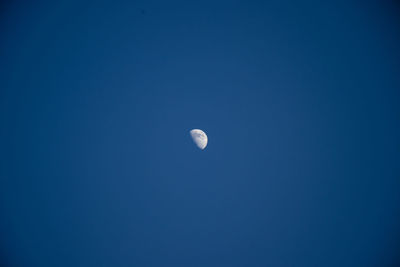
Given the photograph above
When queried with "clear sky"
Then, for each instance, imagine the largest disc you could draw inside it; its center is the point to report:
(299, 99)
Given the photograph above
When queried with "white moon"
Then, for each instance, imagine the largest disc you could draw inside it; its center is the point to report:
(199, 138)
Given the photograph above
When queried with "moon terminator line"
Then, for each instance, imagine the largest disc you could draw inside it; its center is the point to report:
(199, 138)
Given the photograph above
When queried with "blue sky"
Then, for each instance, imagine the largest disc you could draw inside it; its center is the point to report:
(300, 102)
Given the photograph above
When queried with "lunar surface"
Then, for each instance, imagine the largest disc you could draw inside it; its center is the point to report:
(199, 138)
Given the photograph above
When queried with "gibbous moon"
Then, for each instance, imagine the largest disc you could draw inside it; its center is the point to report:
(199, 138)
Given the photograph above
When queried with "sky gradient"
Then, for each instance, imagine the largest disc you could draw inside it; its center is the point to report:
(300, 102)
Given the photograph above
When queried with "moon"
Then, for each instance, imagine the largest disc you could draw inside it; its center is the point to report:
(199, 138)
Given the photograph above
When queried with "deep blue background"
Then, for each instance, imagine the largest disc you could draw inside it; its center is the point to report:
(300, 102)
